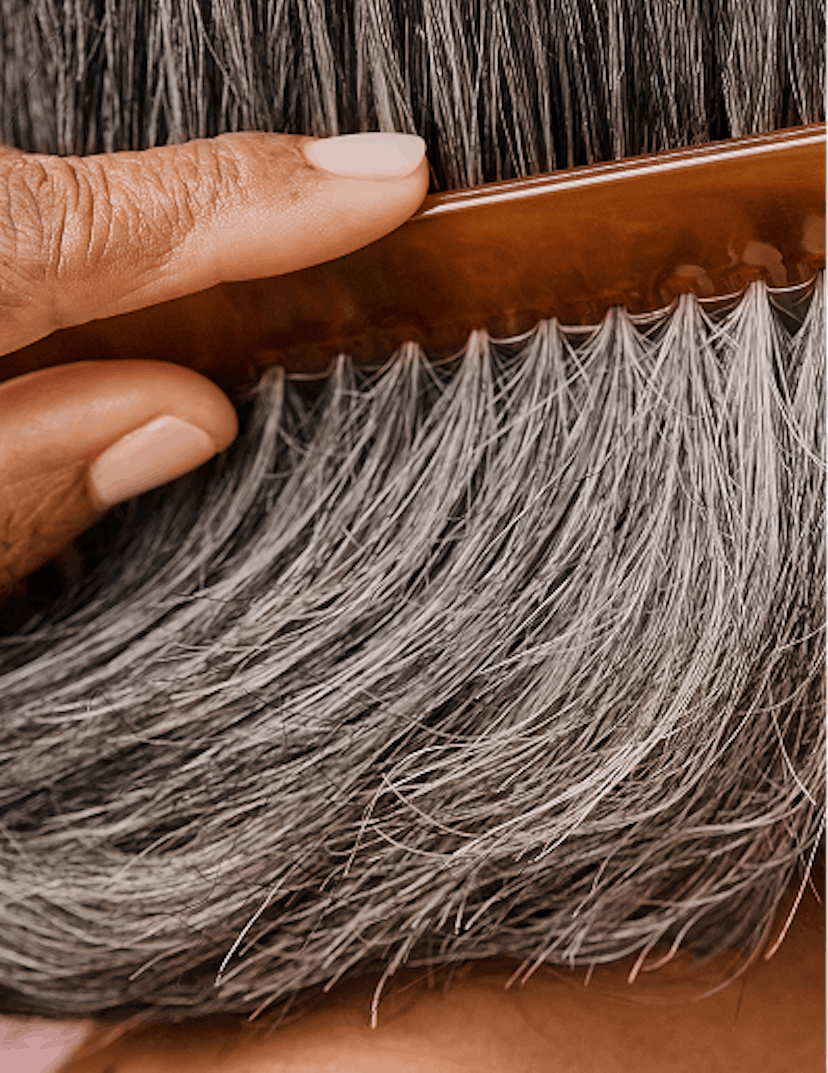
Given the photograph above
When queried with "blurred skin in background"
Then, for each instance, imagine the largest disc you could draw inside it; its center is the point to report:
(88, 238)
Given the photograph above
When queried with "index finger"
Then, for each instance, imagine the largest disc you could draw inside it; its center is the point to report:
(83, 238)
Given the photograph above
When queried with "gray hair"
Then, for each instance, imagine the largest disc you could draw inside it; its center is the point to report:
(497, 88)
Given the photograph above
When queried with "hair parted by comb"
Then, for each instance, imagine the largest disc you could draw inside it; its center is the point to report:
(521, 654)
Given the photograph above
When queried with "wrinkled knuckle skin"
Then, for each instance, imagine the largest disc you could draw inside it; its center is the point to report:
(72, 223)
(24, 189)
(52, 224)
(75, 227)
(43, 222)
(263, 169)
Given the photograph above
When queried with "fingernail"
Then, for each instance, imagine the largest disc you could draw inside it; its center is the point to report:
(156, 453)
(367, 156)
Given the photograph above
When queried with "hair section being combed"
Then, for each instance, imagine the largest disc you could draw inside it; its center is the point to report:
(523, 657)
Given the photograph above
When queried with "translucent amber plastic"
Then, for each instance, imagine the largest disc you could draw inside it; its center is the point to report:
(569, 244)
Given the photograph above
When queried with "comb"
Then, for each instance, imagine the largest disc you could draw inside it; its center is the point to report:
(501, 256)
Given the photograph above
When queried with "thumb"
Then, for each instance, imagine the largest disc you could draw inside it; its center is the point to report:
(78, 438)
(83, 238)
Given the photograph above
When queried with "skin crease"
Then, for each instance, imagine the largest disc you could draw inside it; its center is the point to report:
(81, 239)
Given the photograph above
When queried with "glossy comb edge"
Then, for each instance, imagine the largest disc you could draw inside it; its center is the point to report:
(570, 245)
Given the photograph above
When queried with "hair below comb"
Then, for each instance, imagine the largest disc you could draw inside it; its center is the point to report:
(522, 656)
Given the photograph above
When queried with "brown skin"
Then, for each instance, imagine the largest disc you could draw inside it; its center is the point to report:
(94, 237)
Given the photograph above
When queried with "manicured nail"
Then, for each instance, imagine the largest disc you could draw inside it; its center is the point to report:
(156, 453)
(367, 156)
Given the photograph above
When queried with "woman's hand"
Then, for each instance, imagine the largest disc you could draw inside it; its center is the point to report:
(83, 238)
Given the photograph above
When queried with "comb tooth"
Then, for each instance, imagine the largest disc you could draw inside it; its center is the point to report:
(569, 245)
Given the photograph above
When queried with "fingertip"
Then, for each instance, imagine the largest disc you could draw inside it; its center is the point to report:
(291, 213)
(83, 407)
(76, 439)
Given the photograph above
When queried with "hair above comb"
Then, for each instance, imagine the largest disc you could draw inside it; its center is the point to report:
(498, 88)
